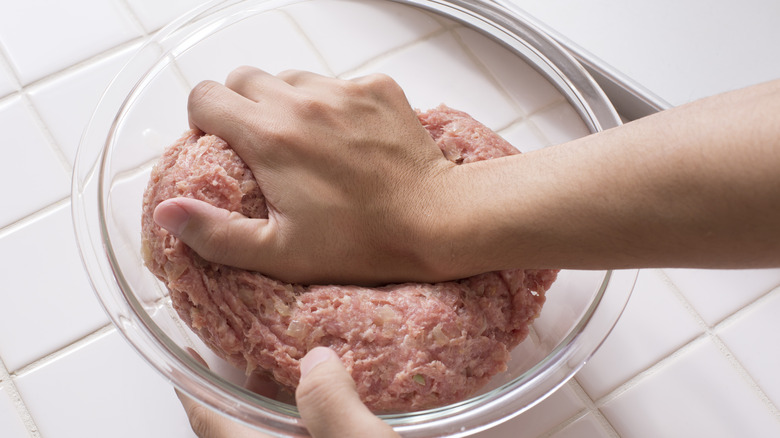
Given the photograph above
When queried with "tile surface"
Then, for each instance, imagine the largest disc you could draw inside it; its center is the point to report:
(700, 394)
(717, 294)
(154, 14)
(753, 339)
(653, 325)
(7, 84)
(442, 65)
(560, 123)
(349, 33)
(47, 299)
(31, 173)
(42, 37)
(539, 419)
(585, 427)
(105, 386)
(66, 103)
(216, 56)
(11, 424)
(527, 88)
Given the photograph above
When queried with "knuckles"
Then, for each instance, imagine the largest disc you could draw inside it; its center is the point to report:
(202, 95)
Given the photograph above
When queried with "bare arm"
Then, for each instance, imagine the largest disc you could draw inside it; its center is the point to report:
(358, 193)
(695, 186)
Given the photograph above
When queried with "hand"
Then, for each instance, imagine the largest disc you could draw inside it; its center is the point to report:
(348, 172)
(326, 391)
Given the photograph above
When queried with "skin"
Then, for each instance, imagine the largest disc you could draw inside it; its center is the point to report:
(359, 193)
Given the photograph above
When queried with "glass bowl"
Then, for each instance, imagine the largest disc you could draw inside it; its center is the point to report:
(472, 55)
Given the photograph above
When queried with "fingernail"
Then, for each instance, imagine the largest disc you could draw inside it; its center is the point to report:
(316, 356)
(172, 217)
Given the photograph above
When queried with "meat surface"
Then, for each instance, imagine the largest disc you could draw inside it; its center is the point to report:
(408, 346)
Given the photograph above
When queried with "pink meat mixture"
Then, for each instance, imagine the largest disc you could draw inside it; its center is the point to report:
(408, 346)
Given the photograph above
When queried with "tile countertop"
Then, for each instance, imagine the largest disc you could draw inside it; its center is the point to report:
(695, 353)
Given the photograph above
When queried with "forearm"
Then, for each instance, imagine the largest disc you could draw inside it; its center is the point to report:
(697, 185)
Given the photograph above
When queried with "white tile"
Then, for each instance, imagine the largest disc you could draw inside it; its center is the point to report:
(47, 301)
(560, 123)
(30, 172)
(585, 427)
(154, 13)
(698, 395)
(11, 425)
(217, 55)
(7, 85)
(41, 37)
(753, 339)
(672, 47)
(66, 103)
(524, 136)
(527, 87)
(103, 388)
(438, 70)
(653, 325)
(157, 118)
(716, 294)
(556, 408)
(348, 33)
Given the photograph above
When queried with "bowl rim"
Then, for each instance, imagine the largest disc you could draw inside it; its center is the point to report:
(182, 370)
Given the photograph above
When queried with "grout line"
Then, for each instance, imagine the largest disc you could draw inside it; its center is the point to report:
(63, 351)
(84, 63)
(651, 370)
(32, 217)
(745, 375)
(487, 73)
(746, 309)
(43, 128)
(561, 101)
(5, 64)
(129, 13)
(565, 423)
(708, 334)
(21, 408)
(593, 408)
(379, 58)
(309, 41)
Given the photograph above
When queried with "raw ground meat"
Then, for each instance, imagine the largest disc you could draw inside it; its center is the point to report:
(408, 346)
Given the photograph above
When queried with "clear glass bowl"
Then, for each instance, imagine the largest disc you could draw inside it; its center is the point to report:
(472, 55)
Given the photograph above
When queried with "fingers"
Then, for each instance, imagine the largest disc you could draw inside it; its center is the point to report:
(255, 84)
(209, 424)
(218, 235)
(215, 109)
(328, 402)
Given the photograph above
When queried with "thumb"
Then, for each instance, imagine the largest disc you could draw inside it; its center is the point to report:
(216, 234)
(328, 402)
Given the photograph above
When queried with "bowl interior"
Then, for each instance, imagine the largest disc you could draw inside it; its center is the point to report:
(437, 53)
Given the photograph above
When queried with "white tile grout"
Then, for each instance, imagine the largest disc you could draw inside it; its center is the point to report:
(590, 408)
(708, 334)
(63, 351)
(32, 217)
(128, 11)
(297, 26)
(487, 73)
(43, 128)
(21, 408)
(377, 59)
(651, 370)
(711, 333)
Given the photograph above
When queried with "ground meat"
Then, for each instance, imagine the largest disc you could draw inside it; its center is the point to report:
(408, 346)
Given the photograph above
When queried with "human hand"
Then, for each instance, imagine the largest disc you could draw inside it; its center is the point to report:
(325, 394)
(349, 174)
